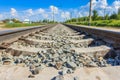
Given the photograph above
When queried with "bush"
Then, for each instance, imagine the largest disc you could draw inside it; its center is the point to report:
(102, 23)
(13, 25)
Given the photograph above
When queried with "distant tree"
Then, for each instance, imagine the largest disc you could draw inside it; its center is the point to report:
(99, 18)
(16, 20)
(44, 21)
(83, 19)
(6, 20)
(114, 16)
(73, 20)
(106, 17)
(95, 15)
(119, 11)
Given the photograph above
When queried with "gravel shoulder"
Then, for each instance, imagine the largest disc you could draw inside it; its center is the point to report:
(106, 73)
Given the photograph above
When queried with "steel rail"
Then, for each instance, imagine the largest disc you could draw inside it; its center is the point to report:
(9, 36)
(108, 36)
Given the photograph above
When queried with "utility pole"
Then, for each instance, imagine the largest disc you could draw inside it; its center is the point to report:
(104, 12)
(104, 15)
(65, 18)
(71, 17)
(53, 14)
(90, 12)
(77, 16)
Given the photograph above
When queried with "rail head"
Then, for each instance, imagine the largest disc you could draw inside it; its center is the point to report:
(7, 32)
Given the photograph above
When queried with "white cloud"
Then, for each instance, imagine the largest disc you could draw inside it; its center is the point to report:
(40, 11)
(54, 9)
(116, 4)
(45, 15)
(30, 12)
(13, 11)
(100, 6)
(1, 15)
(65, 14)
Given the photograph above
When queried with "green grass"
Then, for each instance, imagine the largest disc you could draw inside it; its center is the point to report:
(15, 25)
(102, 23)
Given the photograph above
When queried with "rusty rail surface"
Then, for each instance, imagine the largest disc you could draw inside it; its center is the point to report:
(111, 37)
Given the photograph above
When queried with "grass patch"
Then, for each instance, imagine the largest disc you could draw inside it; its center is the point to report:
(15, 25)
(101, 23)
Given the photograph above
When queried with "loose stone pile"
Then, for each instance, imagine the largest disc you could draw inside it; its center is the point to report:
(60, 59)
(58, 54)
(114, 61)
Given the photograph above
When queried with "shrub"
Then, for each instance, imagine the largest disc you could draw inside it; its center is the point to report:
(102, 23)
(13, 25)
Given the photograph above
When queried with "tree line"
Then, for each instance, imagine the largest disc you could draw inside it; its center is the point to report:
(96, 16)
(18, 21)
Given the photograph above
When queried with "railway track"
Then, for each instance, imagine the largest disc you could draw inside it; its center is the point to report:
(9, 36)
(58, 52)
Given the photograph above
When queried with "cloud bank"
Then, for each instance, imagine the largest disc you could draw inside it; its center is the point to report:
(101, 6)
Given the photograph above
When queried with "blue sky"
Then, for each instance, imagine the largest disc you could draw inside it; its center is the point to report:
(41, 9)
(34, 4)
